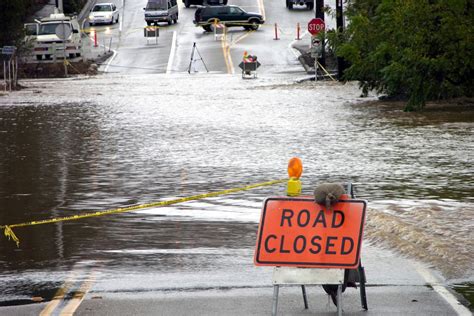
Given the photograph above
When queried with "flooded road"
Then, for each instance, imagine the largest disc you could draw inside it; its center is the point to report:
(80, 145)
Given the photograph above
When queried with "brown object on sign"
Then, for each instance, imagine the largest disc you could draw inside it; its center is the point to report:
(297, 232)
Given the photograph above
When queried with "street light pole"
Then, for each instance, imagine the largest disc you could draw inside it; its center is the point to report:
(319, 13)
(59, 5)
(340, 28)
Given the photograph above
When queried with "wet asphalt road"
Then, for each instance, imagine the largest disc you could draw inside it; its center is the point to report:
(68, 154)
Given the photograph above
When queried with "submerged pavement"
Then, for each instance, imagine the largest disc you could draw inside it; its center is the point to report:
(123, 142)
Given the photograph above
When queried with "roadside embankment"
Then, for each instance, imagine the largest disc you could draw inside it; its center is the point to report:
(460, 105)
(57, 70)
(78, 66)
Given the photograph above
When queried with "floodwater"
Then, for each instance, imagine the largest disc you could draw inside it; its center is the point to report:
(81, 145)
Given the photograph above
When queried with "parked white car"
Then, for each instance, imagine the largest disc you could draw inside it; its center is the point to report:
(106, 13)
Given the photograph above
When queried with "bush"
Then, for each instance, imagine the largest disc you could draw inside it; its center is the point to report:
(420, 49)
(12, 15)
(73, 6)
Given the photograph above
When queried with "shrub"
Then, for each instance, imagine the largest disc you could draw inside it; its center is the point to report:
(420, 49)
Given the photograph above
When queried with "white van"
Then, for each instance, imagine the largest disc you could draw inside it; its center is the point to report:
(161, 11)
(47, 43)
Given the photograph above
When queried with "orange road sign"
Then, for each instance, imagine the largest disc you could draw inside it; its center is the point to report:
(298, 232)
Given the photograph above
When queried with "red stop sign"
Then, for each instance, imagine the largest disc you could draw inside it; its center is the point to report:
(315, 26)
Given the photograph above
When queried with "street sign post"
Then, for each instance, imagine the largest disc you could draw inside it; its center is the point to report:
(10, 66)
(315, 47)
(315, 26)
(8, 50)
(316, 50)
(297, 232)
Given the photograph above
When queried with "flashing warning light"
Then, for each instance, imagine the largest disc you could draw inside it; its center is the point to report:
(295, 168)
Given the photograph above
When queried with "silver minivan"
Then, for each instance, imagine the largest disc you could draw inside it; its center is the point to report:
(161, 11)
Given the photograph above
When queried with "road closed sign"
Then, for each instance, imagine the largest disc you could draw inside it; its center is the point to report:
(298, 232)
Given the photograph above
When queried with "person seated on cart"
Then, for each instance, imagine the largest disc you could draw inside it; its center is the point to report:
(248, 59)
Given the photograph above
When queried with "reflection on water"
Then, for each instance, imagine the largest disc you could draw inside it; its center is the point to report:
(467, 290)
(117, 141)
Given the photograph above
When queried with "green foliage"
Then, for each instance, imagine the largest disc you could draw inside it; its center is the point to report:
(12, 15)
(420, 49)
(73, 6)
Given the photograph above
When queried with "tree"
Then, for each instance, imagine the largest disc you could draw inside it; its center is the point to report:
(73, 6)
(420, 49)
(12, 15)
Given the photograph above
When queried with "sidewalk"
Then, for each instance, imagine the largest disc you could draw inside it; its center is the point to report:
(308, 62)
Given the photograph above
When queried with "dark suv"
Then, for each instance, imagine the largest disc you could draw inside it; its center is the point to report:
(187, 3)
(230, 15)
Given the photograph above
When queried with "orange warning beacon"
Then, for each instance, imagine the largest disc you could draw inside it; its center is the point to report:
(295, 169)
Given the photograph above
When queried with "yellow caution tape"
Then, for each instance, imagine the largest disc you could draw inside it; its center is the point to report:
(10, 234)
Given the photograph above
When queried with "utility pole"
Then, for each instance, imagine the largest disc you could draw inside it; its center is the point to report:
(59, 5)
(341, 64)
(319, 13)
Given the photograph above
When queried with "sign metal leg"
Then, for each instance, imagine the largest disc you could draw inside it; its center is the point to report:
(339, 300)
(363, 297)
(305, 298)
(316, 69)
(275, 299)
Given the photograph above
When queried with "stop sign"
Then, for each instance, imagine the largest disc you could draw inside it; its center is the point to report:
(315, 26)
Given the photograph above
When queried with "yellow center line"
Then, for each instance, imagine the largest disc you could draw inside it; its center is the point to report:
(224, 50)
(79, 296)
(241, 37)
(226, 47)
(262, 9)
(60, 294)
(231, 64)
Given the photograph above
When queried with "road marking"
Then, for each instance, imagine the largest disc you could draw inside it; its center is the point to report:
(241, 37)
(292, 49)
(232, 71)
(121, 22)
(59, 295)
(79, 296)
(262, 9)
(226, 47)
(110, 60)
(172, 53)
(225, 51)
(442, 291)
